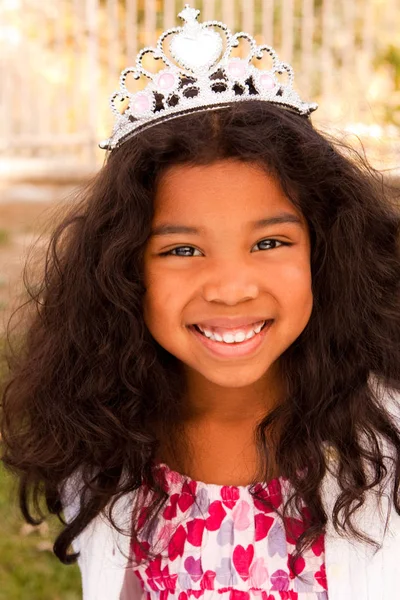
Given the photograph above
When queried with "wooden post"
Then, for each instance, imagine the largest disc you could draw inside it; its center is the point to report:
(247, 16)
(92, 15)
(326, 63)
(307, 36)
(131, 30)
(150, 21)
(208, 10)
(268, 22)
(287, 30)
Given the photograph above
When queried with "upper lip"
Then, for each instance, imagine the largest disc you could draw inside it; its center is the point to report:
(230, 323)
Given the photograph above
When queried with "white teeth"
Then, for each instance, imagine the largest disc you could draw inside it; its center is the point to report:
(250, 334)
(231, 338)
(240, 337)
(259, 327)
(228, 338)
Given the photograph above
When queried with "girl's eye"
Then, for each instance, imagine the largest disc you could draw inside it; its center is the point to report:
(270, 244)
(186, 248)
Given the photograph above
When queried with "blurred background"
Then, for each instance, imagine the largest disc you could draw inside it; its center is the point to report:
(60, 61)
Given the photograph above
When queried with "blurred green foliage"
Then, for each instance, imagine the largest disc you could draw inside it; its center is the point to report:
(28, 568)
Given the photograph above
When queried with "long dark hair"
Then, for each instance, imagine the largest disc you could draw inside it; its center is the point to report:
(88, 381)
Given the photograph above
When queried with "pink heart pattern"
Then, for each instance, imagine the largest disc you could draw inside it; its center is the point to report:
(227, 541)
(258, 572)
(241, 515)
(193, 567)
(280, 580)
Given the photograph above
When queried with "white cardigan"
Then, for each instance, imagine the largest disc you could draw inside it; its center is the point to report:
(353, 571)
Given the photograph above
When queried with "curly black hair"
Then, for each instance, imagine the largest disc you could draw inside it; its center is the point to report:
(87, 381)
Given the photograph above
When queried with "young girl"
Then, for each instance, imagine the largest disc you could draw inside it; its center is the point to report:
(208, 390)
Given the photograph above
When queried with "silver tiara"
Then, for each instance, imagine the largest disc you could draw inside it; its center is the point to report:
(201, 80)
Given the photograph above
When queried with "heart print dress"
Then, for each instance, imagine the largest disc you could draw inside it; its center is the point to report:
(220, 543)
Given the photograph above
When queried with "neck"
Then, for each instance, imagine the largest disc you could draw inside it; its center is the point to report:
(209, 402)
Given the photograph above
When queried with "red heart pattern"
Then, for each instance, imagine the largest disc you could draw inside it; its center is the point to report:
(263, 524)
(221, 538)
(230, 495)
(216, 516)
(242, 559)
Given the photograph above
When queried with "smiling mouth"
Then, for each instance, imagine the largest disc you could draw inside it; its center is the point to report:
(230, 341)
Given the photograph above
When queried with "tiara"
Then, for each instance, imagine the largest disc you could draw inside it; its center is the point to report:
(199, 79)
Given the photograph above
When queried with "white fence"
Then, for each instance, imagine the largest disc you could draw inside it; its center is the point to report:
(60, 60)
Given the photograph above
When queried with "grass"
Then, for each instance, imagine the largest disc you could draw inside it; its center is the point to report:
(28, 568)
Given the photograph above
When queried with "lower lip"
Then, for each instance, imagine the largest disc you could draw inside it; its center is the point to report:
(237, 349)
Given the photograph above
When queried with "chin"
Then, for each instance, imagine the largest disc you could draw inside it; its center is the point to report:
(235, 377)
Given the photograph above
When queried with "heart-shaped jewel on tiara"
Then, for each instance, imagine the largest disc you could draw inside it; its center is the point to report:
(196, 50)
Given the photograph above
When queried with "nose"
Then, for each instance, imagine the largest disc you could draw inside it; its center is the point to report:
(230, 283)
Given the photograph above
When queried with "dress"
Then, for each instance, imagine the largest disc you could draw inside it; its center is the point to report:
(227, 546)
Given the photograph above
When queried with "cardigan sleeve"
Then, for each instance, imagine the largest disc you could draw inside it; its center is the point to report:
(70, 499)
(103, 551)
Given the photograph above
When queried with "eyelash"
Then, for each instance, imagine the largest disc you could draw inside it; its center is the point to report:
(169, 252)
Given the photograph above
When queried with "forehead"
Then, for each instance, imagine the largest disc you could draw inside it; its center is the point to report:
(223, 188)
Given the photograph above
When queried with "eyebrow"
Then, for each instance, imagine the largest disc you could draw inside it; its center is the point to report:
(170, 228)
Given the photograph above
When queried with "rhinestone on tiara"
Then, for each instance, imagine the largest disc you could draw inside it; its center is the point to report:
(203, 77)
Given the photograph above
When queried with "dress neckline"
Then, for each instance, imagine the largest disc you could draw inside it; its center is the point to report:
(174, 477)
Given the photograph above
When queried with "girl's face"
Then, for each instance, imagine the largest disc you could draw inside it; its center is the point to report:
(227, 244)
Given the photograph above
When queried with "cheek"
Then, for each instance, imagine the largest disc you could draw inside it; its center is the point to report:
(162, 316)
(294, 291)
(160, 304)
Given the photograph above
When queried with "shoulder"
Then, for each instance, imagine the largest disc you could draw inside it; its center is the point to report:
(71, 492)
(389, 399)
